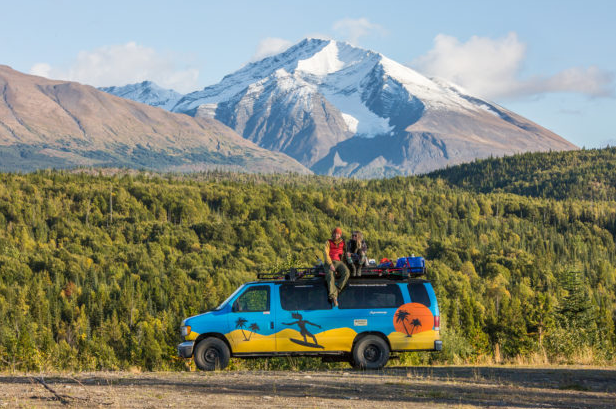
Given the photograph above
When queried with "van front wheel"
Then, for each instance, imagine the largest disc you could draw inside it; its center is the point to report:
(370, 352)
(211, 354)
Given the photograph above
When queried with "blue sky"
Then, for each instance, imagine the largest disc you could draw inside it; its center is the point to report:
(553, 62)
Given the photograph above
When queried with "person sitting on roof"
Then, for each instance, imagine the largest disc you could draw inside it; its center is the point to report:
(334, 251)
(356, 253)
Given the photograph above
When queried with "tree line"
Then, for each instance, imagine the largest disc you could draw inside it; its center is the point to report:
(586, 174)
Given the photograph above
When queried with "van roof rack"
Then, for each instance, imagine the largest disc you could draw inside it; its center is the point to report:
(394, 273)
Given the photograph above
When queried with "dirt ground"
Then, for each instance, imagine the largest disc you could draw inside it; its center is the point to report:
(400, 387)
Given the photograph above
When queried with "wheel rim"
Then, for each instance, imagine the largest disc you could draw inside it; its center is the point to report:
(372, 353)
(212, 355)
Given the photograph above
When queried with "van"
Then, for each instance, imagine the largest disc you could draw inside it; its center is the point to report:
(375, 315)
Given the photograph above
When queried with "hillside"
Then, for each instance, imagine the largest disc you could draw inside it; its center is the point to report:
(584, 174)
(98, 272)
(60, 124)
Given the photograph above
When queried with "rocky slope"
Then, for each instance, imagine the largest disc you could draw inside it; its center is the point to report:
(46, 123)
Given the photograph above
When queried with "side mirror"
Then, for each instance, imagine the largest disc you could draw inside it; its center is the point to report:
(236, 306)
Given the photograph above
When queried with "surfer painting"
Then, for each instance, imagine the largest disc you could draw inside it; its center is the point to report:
(301, 323)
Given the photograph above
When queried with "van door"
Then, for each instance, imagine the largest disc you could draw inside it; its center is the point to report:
(305, 318)
(252, 321)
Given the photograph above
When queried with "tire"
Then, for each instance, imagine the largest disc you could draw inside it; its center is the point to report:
(370, 352)
(211, 354)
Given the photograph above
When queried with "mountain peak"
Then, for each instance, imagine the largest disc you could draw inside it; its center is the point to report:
(147, 92)
(344, 110)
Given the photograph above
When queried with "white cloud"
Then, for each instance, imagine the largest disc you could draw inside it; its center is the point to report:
(123, 64)
(270, 46)
(591, 81)
(492, 69)
(353, 29)
(41, 69)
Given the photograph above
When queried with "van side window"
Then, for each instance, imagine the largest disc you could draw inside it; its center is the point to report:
(370, 296)
(304, 297)
(254, 299)
(419, 294)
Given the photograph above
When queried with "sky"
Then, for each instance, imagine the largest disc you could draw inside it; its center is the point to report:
(553, 62)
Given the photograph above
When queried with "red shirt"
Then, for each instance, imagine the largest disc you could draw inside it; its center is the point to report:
(335, 249)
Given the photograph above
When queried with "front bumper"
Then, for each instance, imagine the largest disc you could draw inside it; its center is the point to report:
(185, 349)
(438, 345)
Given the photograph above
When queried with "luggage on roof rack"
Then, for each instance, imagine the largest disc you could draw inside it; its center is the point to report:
(405, 268)
(414, 264)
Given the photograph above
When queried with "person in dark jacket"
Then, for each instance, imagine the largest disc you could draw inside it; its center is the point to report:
(356, 253)
(334, 252)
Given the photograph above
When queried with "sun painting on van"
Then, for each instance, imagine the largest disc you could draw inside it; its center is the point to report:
(413, 318)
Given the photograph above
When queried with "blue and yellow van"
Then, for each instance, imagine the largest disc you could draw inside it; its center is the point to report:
(294, 317)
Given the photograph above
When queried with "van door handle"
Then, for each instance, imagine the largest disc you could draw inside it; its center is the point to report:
(272, 324)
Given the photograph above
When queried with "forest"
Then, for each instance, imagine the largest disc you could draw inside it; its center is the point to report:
(97, 269)
(587, 174)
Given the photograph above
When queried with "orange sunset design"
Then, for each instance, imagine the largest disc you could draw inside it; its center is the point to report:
(413, 318)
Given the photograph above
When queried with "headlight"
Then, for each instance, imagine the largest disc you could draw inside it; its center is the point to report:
(185, 330)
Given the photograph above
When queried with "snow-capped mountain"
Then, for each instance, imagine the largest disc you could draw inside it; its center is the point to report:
(147, 92)
(343, 110)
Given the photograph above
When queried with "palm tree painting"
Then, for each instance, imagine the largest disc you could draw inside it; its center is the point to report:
(254, 327)
(415, 323)
(401, 317)
(412, 319)
(240, 323)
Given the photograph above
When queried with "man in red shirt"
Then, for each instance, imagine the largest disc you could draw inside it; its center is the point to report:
(335, 249)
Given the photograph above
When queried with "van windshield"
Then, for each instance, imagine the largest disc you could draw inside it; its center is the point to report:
(225, 302)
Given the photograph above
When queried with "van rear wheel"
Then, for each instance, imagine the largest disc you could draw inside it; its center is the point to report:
(370, 352)
(211, 354)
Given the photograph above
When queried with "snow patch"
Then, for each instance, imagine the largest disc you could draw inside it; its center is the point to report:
(368, 124)
(433, 94)
(351, 122)
(404, 74)
(489, 109)
(322, 63)
(206, 110)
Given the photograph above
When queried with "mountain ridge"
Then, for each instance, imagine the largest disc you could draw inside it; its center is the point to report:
(319, 99)
(50, 123)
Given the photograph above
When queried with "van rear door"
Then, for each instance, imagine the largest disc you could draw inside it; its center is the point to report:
(414, 320)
